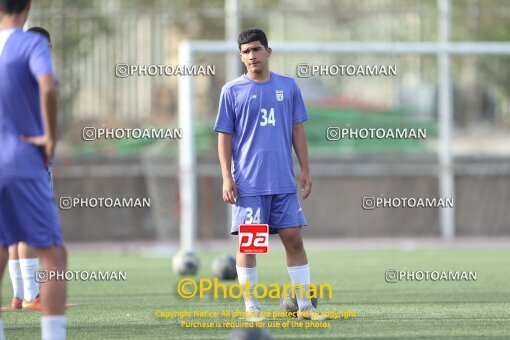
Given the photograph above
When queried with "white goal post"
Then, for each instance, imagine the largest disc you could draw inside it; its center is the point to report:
(443, 49)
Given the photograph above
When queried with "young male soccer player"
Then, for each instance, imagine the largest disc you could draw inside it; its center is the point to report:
(260, 119)
(28, 110)
(23, 261)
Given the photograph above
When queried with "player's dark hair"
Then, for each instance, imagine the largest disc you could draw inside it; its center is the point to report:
(42, 31)
(13, 6)
(250, 35)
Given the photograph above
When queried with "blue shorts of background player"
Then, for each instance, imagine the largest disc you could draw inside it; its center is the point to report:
(29, 213)
(279, 211)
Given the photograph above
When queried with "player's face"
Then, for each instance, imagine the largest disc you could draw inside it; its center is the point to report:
(255, 57)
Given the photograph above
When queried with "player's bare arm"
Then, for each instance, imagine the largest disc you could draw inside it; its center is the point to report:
(301, 149)
(229, 190)
(48, 93)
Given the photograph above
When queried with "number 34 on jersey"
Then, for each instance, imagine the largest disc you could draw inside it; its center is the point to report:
(267, 118)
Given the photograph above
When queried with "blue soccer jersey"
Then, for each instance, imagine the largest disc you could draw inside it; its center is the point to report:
(260, 116)
(28, 211)
(24, 57)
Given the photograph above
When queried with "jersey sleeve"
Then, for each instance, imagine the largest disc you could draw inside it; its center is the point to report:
(226, 112)
(40, 59)
(299, 113)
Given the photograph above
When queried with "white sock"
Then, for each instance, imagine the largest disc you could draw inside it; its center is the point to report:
(16, 278)
(28, 269)
(248, 274)
(301, 275)
(53, 327)
(2, 335)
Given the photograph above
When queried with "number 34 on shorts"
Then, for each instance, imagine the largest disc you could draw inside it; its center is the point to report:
(252, 218)
(278, 211)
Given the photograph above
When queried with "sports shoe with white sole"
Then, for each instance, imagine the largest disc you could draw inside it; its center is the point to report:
(311, 313)
(253, 314)
(32, 305)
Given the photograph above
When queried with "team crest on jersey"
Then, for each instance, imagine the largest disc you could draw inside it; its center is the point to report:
(279, 95)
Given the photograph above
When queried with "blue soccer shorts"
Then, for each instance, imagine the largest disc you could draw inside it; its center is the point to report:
(29, 213)
(278, 211)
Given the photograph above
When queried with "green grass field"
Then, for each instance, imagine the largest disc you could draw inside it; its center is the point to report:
(126, 310)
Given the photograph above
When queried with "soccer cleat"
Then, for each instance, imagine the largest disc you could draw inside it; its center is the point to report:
(311, 313)
(253, 314)
(32, 305)
(16, 303)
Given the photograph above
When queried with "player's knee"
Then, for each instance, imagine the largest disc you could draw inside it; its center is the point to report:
(4, 255)
(246, 257)
(13, 252)
(55, 257)
(294, 245)
(245, 260)
(63, 256)
(60, 257)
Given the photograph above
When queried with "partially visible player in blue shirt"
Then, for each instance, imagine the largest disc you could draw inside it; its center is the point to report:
(23, 262)
(28, 112)
(260, 119)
